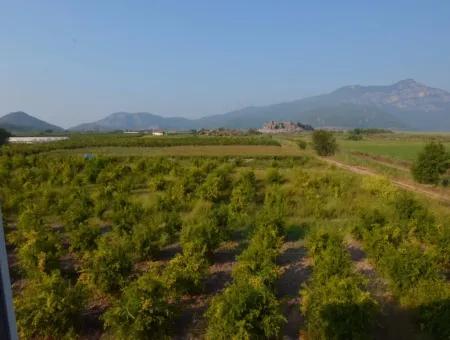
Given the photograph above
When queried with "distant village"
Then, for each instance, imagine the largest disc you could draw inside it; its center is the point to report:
(268, 128)
(284, 127)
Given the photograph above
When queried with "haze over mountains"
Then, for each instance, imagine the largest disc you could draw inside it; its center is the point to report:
(404, 105)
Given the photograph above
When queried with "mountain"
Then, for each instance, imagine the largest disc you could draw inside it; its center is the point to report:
(19, 122)
(136, 121)
(406, 104)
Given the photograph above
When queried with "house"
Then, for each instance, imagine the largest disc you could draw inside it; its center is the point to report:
(158, 133)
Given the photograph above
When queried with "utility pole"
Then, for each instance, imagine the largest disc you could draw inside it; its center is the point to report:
(8, 328)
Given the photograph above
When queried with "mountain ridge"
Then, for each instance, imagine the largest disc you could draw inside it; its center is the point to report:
(406, 104)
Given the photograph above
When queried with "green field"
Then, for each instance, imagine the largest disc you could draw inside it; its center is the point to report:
(397, 146)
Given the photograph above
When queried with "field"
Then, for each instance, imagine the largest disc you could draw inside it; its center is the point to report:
(239, 240)
(189, 150)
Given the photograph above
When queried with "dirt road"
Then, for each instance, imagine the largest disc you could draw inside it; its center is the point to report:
(401, 184)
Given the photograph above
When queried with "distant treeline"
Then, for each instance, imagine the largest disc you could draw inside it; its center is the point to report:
(121, 140)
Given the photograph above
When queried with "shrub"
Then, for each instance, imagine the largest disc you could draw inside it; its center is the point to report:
(338, 308)
(84, 237)
(204, 228)
(186, 272)
(257, 262)
(4, 135)
(273, 176)
(431, 163)
(216, 186)
(40, 251)
(244, 311)
(49, 307)
(244, 192)
(324, 142)
(334, 301)
(302, 144)
(142, 312)
(108, 267)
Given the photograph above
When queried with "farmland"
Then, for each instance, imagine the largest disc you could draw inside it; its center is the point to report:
(248, 238)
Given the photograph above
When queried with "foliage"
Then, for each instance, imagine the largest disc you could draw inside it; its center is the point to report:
(49, 307)
(257, 262)
(204, 228)
(142, 312)
(324, 142)
(186, 272)
(245, 310)
(107, 268)
(335, 303)
(274, 176)
(431, 163)
(301, 144)
(4, 135)
(39, 252)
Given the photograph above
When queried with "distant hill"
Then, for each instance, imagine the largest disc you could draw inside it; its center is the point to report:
(21, 122)
(135, 121)
(404, 105)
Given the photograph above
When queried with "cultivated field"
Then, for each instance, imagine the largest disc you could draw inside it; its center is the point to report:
(219, 241)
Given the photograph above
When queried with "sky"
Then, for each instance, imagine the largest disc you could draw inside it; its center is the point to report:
(77, 61)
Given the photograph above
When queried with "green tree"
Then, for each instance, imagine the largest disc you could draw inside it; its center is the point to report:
(186, 272)
(4, 135)
(431, 163)
(142, 312)
(107, 268)
(49, 307)
(245, 310)
(324, 142)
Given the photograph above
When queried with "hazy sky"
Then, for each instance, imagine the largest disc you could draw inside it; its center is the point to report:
(73, 61)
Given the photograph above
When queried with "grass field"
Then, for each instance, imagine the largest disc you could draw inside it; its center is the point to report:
(396, 149)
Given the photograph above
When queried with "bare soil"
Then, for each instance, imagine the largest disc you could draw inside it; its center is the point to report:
(295, 270)
(394, 322)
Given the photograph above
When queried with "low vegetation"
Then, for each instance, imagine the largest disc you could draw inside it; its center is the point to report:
(127, 247)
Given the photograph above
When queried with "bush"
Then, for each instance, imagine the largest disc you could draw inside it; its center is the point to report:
(302, 144)
(142, 312)
(244, 311)
(40, 251)
(431, 163)
(257, 262)
(274, 176)
(4, 135)
(107, 268)
(49, 307)
(204, 228)
(338, 308)
(324, 143)
(84, 237)
(334, 301)
(243, 193)
(186, 272)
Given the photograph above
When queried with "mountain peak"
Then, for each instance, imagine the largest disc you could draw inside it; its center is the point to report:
(20, 121)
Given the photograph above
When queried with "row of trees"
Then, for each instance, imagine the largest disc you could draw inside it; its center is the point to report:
(248, 307)
(335, 301)
(410, 248)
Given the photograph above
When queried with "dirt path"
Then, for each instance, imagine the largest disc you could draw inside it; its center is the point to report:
(417, 188)
(192, 323)
(295, 270)
(394, 322)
